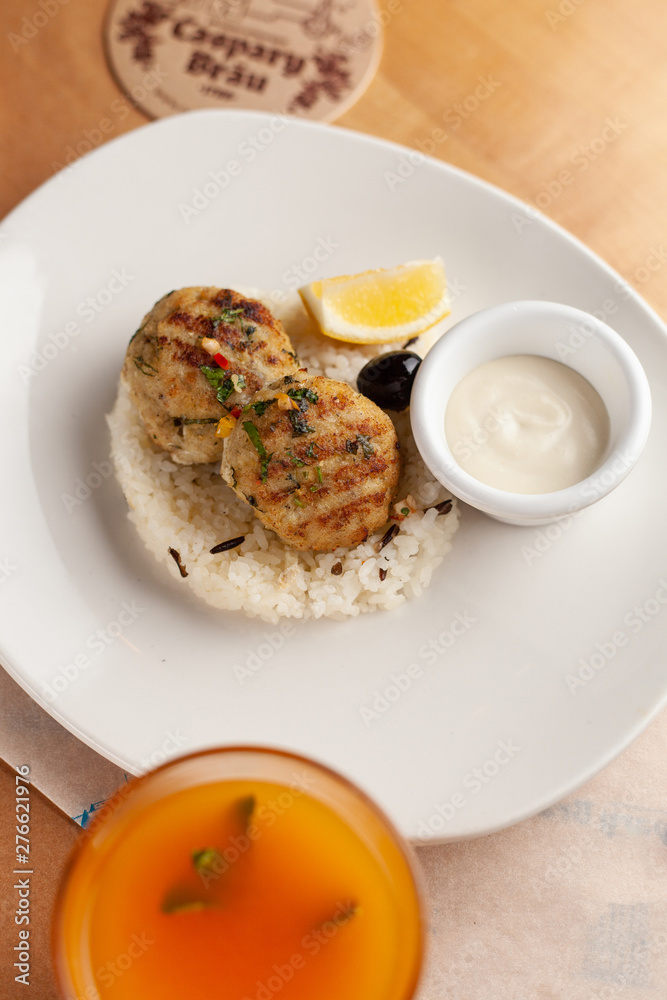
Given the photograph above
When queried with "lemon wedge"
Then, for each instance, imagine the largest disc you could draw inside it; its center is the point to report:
(381, 306)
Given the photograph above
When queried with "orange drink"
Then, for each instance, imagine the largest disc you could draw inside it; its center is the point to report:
(239, 874)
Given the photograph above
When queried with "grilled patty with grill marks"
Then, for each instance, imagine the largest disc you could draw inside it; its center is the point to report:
(318, 462)
(178, 388)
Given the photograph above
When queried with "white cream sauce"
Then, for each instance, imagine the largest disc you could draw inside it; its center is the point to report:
(526, 424)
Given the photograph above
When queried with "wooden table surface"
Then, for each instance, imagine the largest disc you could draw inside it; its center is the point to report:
(572, 121)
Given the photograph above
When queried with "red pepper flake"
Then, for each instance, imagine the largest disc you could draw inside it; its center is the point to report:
(236, 411)
(221, 360)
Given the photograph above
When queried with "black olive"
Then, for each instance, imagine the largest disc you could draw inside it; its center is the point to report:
(387, 379)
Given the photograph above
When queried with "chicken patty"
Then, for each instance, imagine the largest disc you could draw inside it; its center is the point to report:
(318, 462)
(178, 387)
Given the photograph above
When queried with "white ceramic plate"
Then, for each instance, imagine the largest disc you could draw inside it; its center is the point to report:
(535, 656)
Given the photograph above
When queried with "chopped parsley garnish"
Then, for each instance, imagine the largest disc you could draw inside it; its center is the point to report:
(303, 393)
(299, 423)
(229, 315)
(145, 368)
(295, 460)
(246, 809)
(341, 916)
(223, 383)
(208, 862)
(179, 901)
(253, 434)
(261, 406)
(405, 510)
(362, 441)
(226, 316)
(291, 354)
(366, 445)
(206, 859)
(318, 472)
(298, 502)
(303, 396)
(309, 450)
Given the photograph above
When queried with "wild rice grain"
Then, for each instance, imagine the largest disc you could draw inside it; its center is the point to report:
(176, 556)
(231, 543)
(389, 534)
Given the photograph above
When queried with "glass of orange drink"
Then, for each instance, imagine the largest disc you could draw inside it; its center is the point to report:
(240, 873)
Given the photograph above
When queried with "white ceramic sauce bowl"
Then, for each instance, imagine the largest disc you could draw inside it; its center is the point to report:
(550, 330)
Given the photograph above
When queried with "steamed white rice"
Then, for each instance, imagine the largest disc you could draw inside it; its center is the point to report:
(190, 509)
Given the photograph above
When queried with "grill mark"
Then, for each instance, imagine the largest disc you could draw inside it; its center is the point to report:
(332, 407)
(197, 326)
(252, 309)
(377, 465)
(346, 478)
(340, 517)
(223, 299)
(235, 338)
(312, 501)
(259, 314)
(190, 354)
(301, 522)
(370, 429)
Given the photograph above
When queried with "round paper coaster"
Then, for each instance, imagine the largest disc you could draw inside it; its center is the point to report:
(311, 58)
